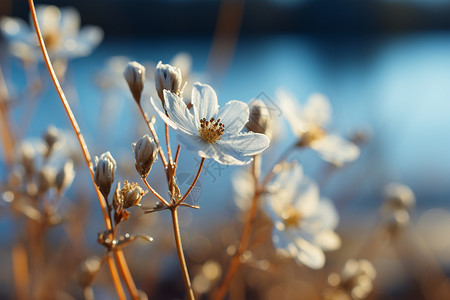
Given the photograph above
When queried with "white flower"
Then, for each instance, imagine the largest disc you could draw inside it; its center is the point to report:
(60, 29)
(309, 122)
(210, 132)
(304, 223)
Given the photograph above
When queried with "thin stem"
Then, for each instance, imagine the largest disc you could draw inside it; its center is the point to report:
(236, 260)
(126, 274)
(155, 136)
(169, 150)
(177, 155)
(181, 259)
(83, 145)
(20, 271)
(193, 182)
(115, 275)
(6, 131)
(155, 192)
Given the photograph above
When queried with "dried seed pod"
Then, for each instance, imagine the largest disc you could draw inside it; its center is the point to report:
(65, 176)
(145, 153)
(127, 196)
(259, 119)
(134, 74)
(168, 78)
(104, 170)
(27, 158)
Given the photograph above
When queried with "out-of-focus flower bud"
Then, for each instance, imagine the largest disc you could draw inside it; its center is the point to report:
(168, 78)
(259, 119)
(145, 154)
(398, 197)
(88, 269)
(51, 138)
(104, 170)
(134, 74)
(46, 178)
(65, 176)
(27, 157)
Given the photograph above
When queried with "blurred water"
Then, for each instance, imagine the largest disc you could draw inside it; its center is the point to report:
(398, 86)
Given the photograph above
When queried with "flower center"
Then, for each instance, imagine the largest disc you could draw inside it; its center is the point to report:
(211, 131)
(291, 217)
(314, 133)
(52, 40)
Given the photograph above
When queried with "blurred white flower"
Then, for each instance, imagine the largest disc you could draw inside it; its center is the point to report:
(243, 185)
(210, 132)
(399, 196)
(61, 32)
(304, 223)
(309, 122)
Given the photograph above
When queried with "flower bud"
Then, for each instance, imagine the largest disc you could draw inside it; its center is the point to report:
(46, 178)
(145, 153)
(398, 196)
(104, 170)
(168, 78)
(259, 119)
(51, 137)
(134, 74)
(65, 176)
(27, 157)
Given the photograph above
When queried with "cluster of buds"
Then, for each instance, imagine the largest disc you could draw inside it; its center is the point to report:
(354, 282)
(125, 197)
(260, 119)
(39, 174)
(145, 154)
(399, 200)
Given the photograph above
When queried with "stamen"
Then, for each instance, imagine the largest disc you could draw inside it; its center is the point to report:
(211, 131)
(291, 217)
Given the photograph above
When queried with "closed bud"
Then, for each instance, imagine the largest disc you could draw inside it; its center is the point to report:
(134, 74)
(259, 119)
(398, 197)
(168, 78)
(51, 137)
(27, 157)
(145, 154)
(104, 170)
(65, 176)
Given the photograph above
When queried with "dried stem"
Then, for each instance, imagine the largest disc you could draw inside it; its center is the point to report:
(126, 274)
(236, 260)
(169, 150)
(20, 271)
(6, 131)
(155, 192)
(193, 182)
(181, 259)
(177, 155)
(84, 148)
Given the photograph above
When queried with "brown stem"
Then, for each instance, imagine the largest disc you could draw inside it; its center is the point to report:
(193, 182)
(115, 276)
(181, 259)
(83, 145)
(20, 271)
(126, 274)
(160, 198)
(169, 150)
(6, 130)
(235, 261)
(177, 155)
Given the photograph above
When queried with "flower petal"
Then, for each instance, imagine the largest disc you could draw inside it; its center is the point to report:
(328, 240)
(158, 108)
(70, 21)
(309, 254)
(306, 196)
(325, 216)
(88, 38)
(179, 113)
(204, 101)
(15, 29)
(234, 115)
(335, 149)
(291, 110)
(317, 110)
(243, 144)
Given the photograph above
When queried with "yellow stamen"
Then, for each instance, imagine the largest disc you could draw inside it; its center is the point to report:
(211, 131)
(291, 217)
